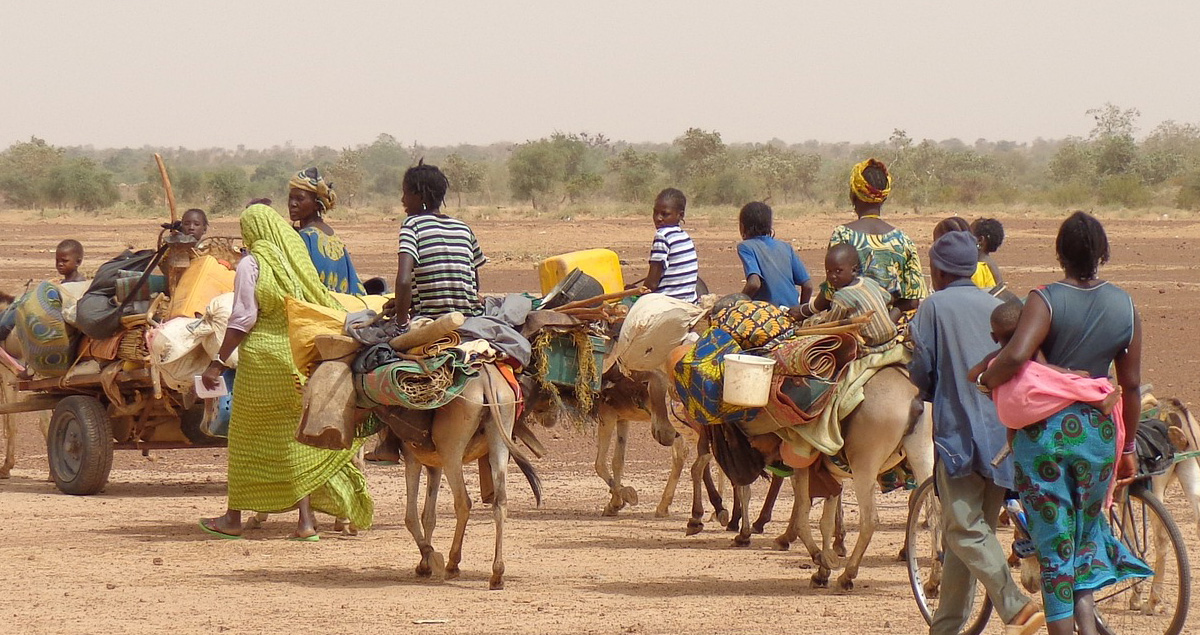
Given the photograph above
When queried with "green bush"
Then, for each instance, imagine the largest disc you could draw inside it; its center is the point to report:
(1189, 192)
(1070, 194)
(1125, 190)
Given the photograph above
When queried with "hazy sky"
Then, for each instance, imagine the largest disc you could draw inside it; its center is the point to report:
(259, 73)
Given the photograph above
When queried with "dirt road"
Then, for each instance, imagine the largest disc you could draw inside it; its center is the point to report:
(131, 560)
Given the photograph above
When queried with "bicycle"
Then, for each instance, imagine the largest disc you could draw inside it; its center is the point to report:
(1137, 518)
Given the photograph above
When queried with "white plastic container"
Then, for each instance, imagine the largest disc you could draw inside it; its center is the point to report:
(747, 380)
(205, 393)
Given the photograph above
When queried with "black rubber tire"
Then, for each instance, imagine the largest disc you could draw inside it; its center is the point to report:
(1132, 534)
(913, 556)
(79, 445)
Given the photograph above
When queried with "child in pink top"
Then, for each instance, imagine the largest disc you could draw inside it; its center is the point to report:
(1040, 390)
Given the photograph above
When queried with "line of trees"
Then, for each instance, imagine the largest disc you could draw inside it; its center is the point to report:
(1112, 166)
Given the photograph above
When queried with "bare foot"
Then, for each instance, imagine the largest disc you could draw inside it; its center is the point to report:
(1107, 404)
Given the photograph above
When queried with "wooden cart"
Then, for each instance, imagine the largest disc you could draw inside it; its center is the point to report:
(94, 414)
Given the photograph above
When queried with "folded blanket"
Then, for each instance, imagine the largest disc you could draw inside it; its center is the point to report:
(821, 356)
(421, 385)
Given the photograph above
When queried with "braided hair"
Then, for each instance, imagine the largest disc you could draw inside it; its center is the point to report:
(755, 219)
(990, 232)
(951, 224)
(1082, 246)
(673, 198)
(876, 175)
(428, 182)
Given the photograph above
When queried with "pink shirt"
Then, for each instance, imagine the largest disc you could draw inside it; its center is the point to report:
(245, 306)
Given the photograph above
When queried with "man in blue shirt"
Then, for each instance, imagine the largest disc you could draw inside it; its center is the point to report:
(952, 332)
(772, 268)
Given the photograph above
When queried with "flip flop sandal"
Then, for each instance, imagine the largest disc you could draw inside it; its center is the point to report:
(214, 532)
(312, 538)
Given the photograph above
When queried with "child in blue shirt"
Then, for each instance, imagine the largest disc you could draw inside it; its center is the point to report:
(773, 270)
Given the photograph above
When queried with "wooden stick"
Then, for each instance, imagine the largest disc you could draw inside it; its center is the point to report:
(162, 171)
(603, 298)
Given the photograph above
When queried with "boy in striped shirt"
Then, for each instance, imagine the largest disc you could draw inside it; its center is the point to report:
(674, 267)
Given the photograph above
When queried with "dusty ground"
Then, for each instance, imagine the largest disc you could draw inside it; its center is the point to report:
(131, 559)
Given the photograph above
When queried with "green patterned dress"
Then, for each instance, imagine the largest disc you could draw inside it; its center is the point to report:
(269, 471)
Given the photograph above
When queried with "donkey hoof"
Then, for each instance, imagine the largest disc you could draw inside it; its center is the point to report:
(496, 583)
(4, 474)
(741, 540)
(452, 572)
(819, 581)
(662, 512)
(758, 529)
(694, 527)
(629, 495)
(845, 583)
(903, 555)
(723, 516)
(781, 544)
(611, 509)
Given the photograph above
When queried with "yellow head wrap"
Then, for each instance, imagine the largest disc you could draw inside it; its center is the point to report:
(864, 191)
(310, 180)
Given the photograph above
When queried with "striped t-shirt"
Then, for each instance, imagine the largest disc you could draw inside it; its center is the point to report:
(446, 255)
(674, 249)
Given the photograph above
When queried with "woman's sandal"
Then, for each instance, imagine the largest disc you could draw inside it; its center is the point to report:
(216, 532)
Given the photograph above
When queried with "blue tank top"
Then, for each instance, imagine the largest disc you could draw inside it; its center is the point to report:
(1088, 327)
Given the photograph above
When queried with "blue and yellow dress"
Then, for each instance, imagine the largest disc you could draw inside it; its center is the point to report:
(332, 260)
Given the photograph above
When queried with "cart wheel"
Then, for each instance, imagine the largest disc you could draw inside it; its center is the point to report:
(80, 445)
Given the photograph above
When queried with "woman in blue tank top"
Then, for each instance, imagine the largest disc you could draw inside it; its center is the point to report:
(1065, 464)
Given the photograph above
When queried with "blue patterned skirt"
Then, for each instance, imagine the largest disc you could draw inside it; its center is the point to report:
(1063, 468)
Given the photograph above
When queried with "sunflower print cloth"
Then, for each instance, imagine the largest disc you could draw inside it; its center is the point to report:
(1063, 470)
(332, 261)
(754, 324)
(890, 259)
(269, 471)
(700, 380)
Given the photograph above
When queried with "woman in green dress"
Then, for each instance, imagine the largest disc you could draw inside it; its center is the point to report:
(269, 471)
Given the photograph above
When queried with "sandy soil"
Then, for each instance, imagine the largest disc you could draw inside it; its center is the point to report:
(132, 560)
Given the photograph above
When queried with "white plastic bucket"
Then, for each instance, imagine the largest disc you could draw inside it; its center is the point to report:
(747, 380)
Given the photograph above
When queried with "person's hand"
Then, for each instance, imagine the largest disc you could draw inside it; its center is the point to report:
(389, 308)
(211, 375)
(1127, 469)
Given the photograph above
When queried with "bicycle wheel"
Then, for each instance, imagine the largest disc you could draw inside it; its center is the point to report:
(924, 556)
(1151, 605)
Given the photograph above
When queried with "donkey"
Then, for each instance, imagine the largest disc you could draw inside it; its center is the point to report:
(478, 423)
(889, 418)
(1184, 431)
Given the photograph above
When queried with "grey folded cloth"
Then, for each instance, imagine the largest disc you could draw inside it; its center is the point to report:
(374, 357)
(370, 328)
(499, 324)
